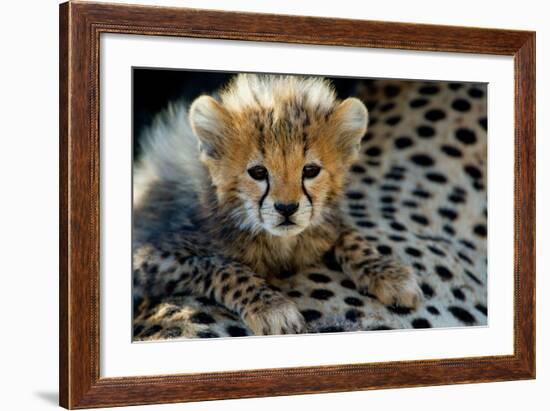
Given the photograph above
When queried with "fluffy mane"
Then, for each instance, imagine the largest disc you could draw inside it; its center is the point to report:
(248, 91)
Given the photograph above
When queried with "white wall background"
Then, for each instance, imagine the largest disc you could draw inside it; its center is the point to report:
(29, 191)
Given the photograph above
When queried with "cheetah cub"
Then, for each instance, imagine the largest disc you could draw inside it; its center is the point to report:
(245, 185)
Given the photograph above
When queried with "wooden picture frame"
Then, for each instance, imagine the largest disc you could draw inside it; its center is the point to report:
(80, 27)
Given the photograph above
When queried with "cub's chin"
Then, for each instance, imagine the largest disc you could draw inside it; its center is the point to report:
(285, 229)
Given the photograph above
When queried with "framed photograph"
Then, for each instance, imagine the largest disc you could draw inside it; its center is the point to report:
(260, 205)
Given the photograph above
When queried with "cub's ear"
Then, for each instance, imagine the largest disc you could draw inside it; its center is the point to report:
(209, 122)
(350, 120)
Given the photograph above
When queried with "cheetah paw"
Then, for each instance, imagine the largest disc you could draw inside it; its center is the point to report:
(280, 316)
(392, 283)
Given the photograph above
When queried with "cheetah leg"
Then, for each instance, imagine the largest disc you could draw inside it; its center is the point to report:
(382, 276)
(264, 310)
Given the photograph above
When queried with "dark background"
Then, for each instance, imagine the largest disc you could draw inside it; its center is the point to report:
(154, 88)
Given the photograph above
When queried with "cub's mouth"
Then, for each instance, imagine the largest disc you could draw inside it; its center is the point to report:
(286, 222)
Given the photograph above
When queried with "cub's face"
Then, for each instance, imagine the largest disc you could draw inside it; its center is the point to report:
(278, 169)
(283, 191)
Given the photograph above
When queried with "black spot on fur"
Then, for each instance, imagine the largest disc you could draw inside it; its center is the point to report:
(473, 171)
(413, 252)
(436, 178)
(434, 115)
(436, 251)
(461, 105)
(201, 318)
(425, 131)
(448, 213)
(478, 185)
(475, 92)
(366, 224)
(398, 226)
(427, 290)
(455, 198)
(390, 188)
(367, 137)
(152, 269)
(451, 151)
(418, 102)
(422, 160)
(137, 329)
(421, 323)
(387, 107)
(311, 315)
(391, 91)
(448, 229)
(329, 259)
(483, 122)
(457, 292)
(397, 309)
(421, 193)
(410, 203)
(170, 286)
(482, 309)
(207, 334)
(354, 195)
(321, 294)
(464, 257)
(428, 90)
(368, 180)
(294, 294)
(393, 120)
(432, 310)
(473, 277)
(420, 219)
(480, 230)
(443, 272)
(394, 176)
(353, 315)
(373, 151)
(462, 315)
(465, 136)
(319, 278)
(384, 249)
(419, 267)
(350, 285)
(284, 274)
(236, 331)
(151, 331)
(371, 104)
(357, 169)
(354, 302)
(403, 142)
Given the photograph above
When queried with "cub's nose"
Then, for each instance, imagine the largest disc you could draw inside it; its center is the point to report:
(286, 210)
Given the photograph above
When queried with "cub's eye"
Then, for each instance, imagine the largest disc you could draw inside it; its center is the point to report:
(258, 172)
(311, 171)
